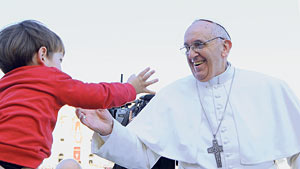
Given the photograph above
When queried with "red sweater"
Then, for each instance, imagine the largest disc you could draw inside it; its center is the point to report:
(30, 98)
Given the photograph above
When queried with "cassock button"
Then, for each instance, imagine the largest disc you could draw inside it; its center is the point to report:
(219, 106)
(223, 129)
(228, 155)
(226, 141)
(217, 96)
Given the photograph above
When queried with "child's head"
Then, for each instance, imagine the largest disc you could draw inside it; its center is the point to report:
(29, 43)
(68, 164)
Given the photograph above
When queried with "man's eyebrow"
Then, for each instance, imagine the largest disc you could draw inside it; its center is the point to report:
(196, 41)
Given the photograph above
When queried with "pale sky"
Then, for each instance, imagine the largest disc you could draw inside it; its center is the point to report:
(106, 38)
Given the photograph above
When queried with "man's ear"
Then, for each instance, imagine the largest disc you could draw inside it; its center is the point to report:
(226, 48)
(41, 55)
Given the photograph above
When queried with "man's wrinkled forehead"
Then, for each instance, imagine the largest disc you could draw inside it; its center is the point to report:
(198, 30)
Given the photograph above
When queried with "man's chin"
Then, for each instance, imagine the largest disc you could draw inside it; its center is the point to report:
(201, 78)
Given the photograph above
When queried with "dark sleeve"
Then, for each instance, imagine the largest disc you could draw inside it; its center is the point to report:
(93, 95)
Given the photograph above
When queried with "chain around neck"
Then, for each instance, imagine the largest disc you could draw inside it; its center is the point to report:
(223, 115)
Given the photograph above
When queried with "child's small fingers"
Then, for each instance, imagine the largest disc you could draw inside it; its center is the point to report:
(144, 72)
(149, 91)
(147, 75)
(151, 82)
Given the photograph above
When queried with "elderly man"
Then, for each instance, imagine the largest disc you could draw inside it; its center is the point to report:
(221, 117)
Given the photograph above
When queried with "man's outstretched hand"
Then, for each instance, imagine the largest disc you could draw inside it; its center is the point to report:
(99, 120)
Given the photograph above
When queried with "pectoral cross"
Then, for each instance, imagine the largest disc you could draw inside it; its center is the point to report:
(216, 149)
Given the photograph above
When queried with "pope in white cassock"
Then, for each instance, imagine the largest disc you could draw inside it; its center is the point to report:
(221, 117)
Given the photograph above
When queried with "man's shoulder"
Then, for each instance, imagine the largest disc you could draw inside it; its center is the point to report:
(180, 86)
(182, 82)
(249, 76)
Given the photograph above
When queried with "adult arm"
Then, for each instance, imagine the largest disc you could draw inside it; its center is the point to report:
(294, 161)
(122, 146)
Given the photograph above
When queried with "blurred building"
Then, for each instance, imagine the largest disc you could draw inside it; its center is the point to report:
(71, 139)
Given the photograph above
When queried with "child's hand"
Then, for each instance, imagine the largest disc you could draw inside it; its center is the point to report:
(140, 82)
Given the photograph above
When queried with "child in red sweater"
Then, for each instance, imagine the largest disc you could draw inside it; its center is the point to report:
(34, 88)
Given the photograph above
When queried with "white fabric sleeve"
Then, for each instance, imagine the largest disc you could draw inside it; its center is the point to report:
(104, 138)
(294, 161)
(124, 148)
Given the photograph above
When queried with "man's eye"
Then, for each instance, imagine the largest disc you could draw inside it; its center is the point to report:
(198, 45)
(187, 48)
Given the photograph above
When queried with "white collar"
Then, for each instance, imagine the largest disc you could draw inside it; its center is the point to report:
(221, 78)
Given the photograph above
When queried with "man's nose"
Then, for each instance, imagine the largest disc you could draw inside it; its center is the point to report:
(191, 54)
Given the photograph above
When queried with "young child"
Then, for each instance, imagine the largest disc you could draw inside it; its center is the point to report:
(33, 90)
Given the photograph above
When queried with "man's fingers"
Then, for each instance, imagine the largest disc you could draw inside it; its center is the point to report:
(81, 116)
(78, 112)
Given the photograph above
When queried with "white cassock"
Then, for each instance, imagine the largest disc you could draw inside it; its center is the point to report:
(261, 124)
